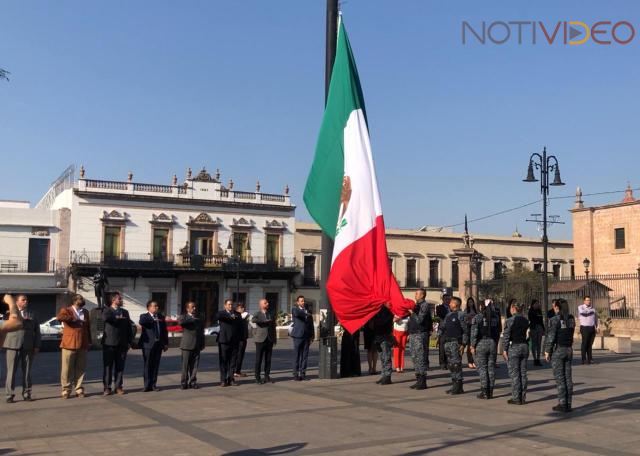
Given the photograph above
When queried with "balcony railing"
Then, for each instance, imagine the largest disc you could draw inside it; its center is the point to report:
(189, 261)
(22, 265)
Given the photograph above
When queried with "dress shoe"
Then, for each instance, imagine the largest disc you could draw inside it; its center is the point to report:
(259, 381)
(297, 378)
(184, 387)
(194, 386)
(80, 394)
(106, 392)
(120, 391)
(223, 384)
(10, 400)
(155, 388)
(27, 398)
(234, 383)
(147, 390)
(268, 379)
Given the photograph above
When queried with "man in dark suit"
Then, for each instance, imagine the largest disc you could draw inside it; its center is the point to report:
(228, 340)
(242, 343)
(302, 334)
(191, 345)
(153, 341)
(21, 347)
(265, 339)
(116, 339)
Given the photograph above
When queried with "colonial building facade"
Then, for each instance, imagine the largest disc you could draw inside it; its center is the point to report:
(607, 235)
(34, 246)
(435, 259)
(196, 240)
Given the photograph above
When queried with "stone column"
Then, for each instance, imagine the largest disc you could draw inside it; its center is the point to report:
(466, 273)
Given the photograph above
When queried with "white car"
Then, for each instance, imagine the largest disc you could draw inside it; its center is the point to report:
(212, 331)
(51, 328)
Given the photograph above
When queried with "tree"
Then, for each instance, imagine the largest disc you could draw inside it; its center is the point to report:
(4, 74)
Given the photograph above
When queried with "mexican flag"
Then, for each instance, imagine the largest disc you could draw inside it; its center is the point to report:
(342, 196)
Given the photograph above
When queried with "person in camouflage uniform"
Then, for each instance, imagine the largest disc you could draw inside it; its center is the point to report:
(484, 328)
(558, 349)
(383, 341)
(455, 335)
(516, 353)
(419, 327)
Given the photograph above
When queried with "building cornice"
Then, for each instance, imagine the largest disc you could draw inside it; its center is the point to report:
(182, 201)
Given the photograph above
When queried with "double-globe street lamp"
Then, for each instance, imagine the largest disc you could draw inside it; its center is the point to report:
(546, 164)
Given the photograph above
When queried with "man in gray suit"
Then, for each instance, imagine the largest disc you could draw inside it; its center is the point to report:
(191, 345)
(21, 347)
(265, 338)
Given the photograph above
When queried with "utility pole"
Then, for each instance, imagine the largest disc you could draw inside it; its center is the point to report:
(328, 367)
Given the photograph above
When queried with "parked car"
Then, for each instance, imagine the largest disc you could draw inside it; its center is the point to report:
(51, 328)
(173, 326)
(212, 331)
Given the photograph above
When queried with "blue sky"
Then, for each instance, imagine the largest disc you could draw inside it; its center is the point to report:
(157, 86)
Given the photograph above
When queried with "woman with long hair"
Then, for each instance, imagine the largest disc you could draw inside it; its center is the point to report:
(471, 312)
(484, 328)
(558, 349)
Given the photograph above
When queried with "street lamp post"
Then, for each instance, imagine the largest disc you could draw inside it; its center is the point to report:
(236, 260)
(546, 164)
(586, 263)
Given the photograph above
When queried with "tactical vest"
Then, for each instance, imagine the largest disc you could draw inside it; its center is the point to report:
(519, 330)
(426, 326)
(489, 327)
(453, 326)
(565, 331)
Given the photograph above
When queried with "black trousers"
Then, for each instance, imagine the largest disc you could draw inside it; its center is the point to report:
(301, 352)
(227, 354)
(242, 347)
(113, 360)
(264, 350)
(151, 358)
(588, 334)
(190, 362)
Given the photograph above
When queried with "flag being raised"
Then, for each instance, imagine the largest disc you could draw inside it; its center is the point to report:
(342, 196)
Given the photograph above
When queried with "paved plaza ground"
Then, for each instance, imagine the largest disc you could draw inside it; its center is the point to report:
(329, 417)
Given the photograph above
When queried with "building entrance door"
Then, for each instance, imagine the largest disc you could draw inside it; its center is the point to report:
(205, 295)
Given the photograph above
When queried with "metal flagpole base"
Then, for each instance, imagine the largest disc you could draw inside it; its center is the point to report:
(328, 367)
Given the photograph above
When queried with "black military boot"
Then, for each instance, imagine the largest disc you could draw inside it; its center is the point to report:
(568, 408)
(490, 393)
(483, 394)
(457, 388)
(453, 385)
(386, 380)
(422, 383)
(560, 408)
(415, 385)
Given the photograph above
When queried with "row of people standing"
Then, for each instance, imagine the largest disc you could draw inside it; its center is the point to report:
(479, 334)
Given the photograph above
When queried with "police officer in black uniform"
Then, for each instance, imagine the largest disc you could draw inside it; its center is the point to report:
(559, 349)
(516, 353)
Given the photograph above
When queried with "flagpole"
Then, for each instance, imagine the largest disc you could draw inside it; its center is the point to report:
(328, 367)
